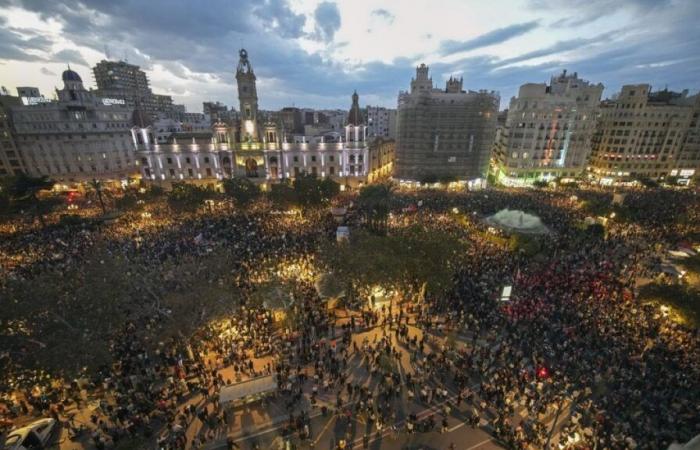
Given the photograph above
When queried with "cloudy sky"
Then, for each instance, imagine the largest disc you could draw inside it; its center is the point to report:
(314, 53)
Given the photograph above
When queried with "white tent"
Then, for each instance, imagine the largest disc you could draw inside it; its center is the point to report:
(693, 444)
(248, 388)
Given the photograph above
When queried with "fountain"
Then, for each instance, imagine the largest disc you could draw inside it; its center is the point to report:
(516, 221)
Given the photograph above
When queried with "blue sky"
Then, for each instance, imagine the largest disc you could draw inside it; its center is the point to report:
(314, 53)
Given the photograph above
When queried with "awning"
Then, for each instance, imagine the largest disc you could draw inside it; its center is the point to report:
(254, 386)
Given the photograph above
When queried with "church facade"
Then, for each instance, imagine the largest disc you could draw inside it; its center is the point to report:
(260, 150)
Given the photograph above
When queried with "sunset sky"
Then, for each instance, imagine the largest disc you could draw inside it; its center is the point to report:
(312, 53)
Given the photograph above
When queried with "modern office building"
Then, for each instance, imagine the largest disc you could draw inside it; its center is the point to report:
(127, 83)
(260, 150)
(76, 138)
(644, 134)
(444, 134)
(381, 122)
(548, 130)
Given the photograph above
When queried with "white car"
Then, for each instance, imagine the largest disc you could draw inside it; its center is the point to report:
(36, 435)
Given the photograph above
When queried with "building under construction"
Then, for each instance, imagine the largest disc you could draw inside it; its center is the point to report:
(444, 135)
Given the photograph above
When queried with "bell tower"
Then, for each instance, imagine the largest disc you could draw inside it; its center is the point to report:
(248, 98)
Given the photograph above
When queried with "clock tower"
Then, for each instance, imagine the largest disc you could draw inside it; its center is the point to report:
(248, 98)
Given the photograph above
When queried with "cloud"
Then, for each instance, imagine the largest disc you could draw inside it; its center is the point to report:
(18, 46)
(496, 36)
(69, 56)
(191, 50)
(327, 17)
(47, 72)
(277, 16)
(383, 14)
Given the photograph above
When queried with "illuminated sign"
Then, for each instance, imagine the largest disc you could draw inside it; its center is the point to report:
(113, 101)
(29, 101)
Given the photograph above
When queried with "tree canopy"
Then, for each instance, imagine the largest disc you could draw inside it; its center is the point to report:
(241, 190)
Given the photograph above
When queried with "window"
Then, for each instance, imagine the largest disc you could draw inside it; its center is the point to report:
(206, 160)
(170, 160)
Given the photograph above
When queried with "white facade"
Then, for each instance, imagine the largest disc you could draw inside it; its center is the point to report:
(548, 130)
(381, 122)
(76, 138)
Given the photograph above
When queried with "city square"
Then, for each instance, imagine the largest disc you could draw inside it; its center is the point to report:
(323, 224)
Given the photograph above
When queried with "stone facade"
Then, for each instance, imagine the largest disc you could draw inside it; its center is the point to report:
(645, 134)
(261, 150)
(548, 130)
(76, 138)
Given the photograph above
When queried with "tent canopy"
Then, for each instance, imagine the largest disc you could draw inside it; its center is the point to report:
(254, 386)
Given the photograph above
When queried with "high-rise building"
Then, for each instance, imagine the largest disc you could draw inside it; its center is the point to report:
(126, 82)
(76, 138)
(444, 134)
(687, 163)
(548, 130)
(10, 160)
(381, 122)
(641, 134)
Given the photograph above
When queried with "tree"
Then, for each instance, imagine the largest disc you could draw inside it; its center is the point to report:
(374, 204)
(242, 190)
(282, 195)
(96, 186)
(429, 179)
(540, 183)
(308, 190)
(329, 189)
(24, 193)
(188, 197)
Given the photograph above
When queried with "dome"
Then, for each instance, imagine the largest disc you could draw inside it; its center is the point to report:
(69, 75)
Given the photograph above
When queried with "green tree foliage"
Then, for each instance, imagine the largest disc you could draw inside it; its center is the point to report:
(412, 257)
(241, 190)
(24, 193)
(529, 245)
(310, 191)
(374, 204)
(429, 179)
(540, 184)
(282, 195)
(189, 197)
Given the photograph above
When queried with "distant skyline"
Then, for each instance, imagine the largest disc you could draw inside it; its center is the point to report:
(313, 53)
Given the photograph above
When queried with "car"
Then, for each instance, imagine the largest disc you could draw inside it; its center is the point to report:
(36, 435)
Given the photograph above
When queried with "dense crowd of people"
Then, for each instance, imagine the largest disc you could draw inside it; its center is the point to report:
(573, 340)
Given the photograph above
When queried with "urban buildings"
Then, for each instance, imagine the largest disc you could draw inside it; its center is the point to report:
(76, 138)
(261, 150)
(548, 130)
(645, 134)
(126, 82)
(10, 161)
(381, 122)
(444, 134)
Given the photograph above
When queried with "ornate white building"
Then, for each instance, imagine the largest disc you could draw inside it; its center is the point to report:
(77, 138)
(260, 150)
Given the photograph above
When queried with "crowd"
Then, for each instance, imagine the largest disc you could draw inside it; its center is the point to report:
(572, 341)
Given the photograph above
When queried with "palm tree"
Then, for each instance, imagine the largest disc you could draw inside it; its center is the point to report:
(97, 187)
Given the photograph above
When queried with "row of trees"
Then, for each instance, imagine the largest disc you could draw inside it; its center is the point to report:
(307, 191)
